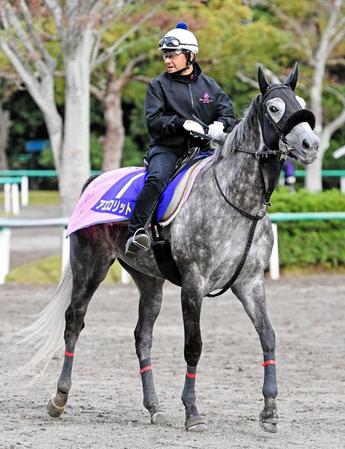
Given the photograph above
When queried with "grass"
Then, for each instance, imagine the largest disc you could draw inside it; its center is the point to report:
(44, 197)
(48, 270)
(40, 197)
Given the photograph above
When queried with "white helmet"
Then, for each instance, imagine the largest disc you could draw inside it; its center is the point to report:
(180, 38)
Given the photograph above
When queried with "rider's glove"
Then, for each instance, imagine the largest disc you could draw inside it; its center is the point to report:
(191, 126)
(216, 130)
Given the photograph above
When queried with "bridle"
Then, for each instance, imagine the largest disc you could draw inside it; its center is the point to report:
(276, 157)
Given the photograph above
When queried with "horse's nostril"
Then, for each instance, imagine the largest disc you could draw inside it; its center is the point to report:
(305, 144)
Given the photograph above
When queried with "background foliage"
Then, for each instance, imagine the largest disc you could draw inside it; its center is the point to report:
(234, 36)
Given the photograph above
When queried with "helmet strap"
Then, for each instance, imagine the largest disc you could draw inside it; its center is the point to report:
(189, 62)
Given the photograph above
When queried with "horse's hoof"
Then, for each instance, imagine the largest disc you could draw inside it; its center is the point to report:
(159, 418)
(196, 424)
(54, 410)
(269, 424)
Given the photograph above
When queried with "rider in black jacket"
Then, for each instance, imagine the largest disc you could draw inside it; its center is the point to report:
(176, 103)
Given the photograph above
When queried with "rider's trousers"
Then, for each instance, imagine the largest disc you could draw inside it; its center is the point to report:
(161, 166)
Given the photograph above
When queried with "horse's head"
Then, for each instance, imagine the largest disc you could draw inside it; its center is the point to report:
(285, 123)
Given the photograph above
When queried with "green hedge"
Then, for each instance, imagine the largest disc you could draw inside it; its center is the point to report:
(307, 244)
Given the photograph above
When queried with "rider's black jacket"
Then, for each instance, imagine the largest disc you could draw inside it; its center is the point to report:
(172, 99)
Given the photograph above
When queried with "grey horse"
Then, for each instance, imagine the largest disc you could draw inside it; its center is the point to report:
(234, 242)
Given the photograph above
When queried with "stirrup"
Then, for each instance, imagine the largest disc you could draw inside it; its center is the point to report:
(140, 242)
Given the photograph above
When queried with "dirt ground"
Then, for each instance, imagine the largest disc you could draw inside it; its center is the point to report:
(105, 405)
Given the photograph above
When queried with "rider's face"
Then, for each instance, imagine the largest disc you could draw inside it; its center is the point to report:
(174, 61)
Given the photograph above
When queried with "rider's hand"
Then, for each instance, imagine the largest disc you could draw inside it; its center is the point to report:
(216, 130)
(191, 126)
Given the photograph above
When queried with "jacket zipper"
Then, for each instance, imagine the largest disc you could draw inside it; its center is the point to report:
(191, 96)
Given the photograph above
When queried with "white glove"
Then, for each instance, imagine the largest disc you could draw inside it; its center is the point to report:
(191, 126)
(216, 130)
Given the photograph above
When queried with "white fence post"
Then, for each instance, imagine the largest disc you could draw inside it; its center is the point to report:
(15, 199)
(24, 191)
(65, 250)
(7, 198)
(5, 235)
(342, 184)
(274, 261)
(125, 277)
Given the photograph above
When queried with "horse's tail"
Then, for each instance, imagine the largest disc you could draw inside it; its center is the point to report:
(45, 336)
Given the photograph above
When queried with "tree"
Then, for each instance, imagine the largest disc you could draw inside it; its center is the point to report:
(28, 30)
(317, 30)
(8, 83)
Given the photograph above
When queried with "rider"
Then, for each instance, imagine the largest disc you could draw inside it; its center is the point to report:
(177, 102)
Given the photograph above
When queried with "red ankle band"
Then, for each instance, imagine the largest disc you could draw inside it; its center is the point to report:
(268, 362)
(146, 368)
(190, 375)
(69, 354)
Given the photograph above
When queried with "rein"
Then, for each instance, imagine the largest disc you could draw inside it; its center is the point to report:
(262, 155)
(253, 218)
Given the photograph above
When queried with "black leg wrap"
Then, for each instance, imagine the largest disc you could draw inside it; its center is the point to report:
(188, 394)
(193, 420)
(150, 397)
(270, 389)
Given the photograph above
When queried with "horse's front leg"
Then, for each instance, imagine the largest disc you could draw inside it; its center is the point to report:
(191, 308)
(252, 296)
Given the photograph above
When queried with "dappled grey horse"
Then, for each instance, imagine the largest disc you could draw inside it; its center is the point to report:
(221, 237)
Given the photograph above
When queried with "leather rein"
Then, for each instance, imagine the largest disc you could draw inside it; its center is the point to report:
(264, 154)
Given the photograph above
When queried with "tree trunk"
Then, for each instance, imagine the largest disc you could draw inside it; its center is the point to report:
(115, 132)
(75, 163)
(4, 129)
(313, 176)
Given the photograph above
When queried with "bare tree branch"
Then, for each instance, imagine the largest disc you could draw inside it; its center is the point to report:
(128, 71)
(335, 124)
(97, 93)
(336, 61)
(23, 71)
(36, 39)
(9, 76)
(142, 79)
(246, 79)
(11, 21)
(113, 48)
(56, 11)
(109, 13)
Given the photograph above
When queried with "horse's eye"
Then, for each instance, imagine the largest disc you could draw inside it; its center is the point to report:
(273, 109)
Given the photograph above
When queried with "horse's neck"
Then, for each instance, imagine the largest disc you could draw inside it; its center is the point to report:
(237, 171)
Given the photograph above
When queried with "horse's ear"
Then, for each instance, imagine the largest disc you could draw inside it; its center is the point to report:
(263, 84)
(291, 80)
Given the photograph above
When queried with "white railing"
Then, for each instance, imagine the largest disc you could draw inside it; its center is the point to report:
(7, 224)
(11, 193)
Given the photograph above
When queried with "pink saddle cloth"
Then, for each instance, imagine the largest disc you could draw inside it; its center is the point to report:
(101, 202)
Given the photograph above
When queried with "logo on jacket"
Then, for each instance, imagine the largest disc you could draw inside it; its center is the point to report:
(206, 99)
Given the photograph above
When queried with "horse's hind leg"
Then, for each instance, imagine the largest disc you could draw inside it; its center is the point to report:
(150, 290)
(252, 296)
(90, 261)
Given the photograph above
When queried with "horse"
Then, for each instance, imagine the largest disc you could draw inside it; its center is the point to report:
(222, 238)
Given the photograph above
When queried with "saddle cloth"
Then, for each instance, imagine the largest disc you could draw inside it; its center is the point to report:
(110, 198)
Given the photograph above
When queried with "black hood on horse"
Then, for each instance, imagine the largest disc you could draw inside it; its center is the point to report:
(294, 114)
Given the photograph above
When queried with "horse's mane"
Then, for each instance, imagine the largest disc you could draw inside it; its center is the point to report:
(246, 133)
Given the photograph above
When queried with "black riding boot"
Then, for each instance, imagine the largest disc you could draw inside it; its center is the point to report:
(161, 166)
(138, 239)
